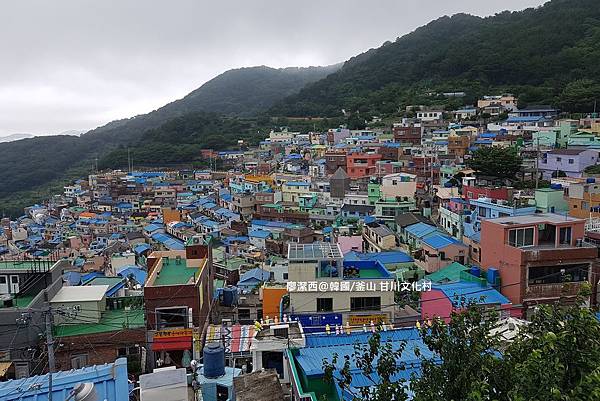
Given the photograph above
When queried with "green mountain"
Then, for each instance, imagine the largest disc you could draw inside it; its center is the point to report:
(545, 55)
(32, 168)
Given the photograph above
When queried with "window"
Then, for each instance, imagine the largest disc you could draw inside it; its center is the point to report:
(565, 235)
(243, 314)
(79, 361)
(171, 317)
(222, 393)
(521, 237)
(285, 276)
(558, 274)
(558, 159)
(571, 161)
(365, 303)
(281, 333)
(324, 304)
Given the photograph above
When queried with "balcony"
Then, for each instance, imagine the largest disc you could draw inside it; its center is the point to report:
(562, 253)
(550, 291)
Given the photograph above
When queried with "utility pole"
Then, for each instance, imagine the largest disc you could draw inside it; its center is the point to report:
(537, 162)
(48, 313)
(50, 345)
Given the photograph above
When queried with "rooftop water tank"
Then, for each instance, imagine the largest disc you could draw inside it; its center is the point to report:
(229, 296)
(493, 276)
(214, 360)
(590, 180)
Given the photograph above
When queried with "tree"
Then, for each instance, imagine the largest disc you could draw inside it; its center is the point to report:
(496, 162)
(468, 363)
(379, 363)
(554, 357)
(355, 121)
(557, 356)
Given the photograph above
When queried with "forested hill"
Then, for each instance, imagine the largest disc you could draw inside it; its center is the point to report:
(31, 168)
(239, 92)
(545, 55)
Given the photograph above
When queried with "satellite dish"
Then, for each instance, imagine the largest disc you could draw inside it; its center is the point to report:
(83, 392)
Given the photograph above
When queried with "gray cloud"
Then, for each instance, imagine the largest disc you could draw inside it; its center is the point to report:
(77, 64)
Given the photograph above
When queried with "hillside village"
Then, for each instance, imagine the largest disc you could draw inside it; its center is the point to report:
(286, 253)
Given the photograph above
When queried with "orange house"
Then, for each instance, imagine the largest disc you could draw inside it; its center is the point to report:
(361, 165)
(272, 300)
(541, 257)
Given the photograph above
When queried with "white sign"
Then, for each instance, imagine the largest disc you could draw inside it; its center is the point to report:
(357, 286)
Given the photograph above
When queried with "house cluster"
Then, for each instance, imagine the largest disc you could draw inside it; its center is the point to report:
(299, 248)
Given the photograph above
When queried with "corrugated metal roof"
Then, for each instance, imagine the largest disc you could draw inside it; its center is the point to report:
(322, 346)
(471, 292)
(420, 230)
(440, 241)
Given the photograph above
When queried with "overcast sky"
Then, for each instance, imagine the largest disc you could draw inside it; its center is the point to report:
(77, 64)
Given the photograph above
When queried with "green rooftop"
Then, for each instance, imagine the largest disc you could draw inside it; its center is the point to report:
(23, 301)
(112, 320)
(448, 273)
(370, 273)
(174, 272)
(24, 265)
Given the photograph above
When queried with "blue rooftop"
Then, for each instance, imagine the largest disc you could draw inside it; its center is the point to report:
(169, 242)
(141, 248)
(440, 241)
(138, 273)
(297, 183)
(322, 346)
(524, 119)
(152, 227)
(110, 384)
(472, 292)
(420, 230)
(384, 258)
(273, 224)
(259, 233)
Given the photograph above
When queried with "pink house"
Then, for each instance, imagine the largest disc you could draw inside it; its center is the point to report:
(348, 244)
(541, 257)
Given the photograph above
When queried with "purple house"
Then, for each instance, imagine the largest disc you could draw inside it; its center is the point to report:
(570, 161)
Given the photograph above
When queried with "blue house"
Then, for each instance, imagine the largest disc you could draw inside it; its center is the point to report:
(253, 278)
(486, 208)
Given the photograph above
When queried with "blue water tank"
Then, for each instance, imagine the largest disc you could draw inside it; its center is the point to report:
(475, 271)
(556, 186)
(591, 180)
(493, 276)
(229, 296)
(214, 360)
